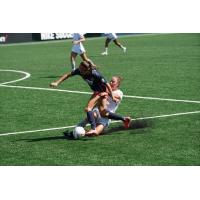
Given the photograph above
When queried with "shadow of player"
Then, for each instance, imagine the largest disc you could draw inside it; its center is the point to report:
(137, 124)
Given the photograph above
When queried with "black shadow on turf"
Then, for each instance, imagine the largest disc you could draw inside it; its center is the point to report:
(137, 124)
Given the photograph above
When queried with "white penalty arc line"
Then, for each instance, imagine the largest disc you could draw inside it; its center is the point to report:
(66, 127)
(27, 75)
(79, 92)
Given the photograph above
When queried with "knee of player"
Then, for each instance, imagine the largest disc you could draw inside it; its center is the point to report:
(104, 113)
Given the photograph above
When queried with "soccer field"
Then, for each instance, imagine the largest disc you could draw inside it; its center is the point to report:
(161, 91)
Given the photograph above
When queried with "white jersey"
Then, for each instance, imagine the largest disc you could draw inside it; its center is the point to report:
(111, 36)
(78, 48)
(112, 107)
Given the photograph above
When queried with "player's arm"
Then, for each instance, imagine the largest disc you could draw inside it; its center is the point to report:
(82, 39)
(111, 93)
(60, 80)
(117, 98)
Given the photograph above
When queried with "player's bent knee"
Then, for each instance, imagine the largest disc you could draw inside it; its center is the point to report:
(104, 113)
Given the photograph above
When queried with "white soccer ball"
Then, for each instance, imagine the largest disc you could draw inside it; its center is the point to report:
(78, 132)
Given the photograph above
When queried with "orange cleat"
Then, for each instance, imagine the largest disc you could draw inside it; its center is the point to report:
(127, 122)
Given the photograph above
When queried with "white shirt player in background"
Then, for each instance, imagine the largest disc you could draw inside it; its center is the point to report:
(103, 122)
(112, 37)
(78, 49)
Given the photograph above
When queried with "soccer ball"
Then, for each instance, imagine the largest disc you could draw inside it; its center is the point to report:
(78, 132)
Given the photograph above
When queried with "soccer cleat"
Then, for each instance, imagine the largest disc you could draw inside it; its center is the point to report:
(73, 69)
(104, 53)
(68, 134)
(127, 122)
(124, 49)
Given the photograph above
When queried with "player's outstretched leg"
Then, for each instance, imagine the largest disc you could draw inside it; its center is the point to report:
(126, 120)
(120, 45)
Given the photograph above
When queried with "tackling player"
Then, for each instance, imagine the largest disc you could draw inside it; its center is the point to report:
(112, 106)
(101, 89)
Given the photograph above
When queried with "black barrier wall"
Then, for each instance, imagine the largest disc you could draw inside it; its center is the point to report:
(15, 37)
(6, 38)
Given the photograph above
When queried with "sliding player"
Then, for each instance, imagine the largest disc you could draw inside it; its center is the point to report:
(101, 89)
(103, 122)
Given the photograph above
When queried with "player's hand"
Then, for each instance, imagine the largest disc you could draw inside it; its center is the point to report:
(103, 94)
(116, 100)
(54, 84)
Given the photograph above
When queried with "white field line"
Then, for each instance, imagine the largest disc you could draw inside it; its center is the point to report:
(161, 99)
(79, 92)
(46, 89)
(27, 75)
(66, 127)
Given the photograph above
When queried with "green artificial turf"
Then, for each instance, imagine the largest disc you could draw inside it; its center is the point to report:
(163, 66)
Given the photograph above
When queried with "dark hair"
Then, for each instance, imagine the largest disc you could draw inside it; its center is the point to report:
(88, 65)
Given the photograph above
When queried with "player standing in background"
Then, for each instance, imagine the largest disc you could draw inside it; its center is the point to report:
(112, 37)
(78, 49)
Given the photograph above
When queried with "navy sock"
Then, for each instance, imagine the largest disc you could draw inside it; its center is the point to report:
(115, 116)
(91, 119)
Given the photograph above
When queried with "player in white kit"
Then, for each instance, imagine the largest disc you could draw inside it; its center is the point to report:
(112, 37)
(78, 49)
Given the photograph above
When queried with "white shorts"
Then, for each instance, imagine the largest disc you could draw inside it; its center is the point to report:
(101, 120)
(111, 36)
(79, 49)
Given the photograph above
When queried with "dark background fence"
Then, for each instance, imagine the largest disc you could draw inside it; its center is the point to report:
(6, 38)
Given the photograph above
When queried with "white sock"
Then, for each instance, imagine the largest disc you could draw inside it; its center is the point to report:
(73, 65)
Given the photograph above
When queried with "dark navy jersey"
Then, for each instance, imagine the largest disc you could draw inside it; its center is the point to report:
(95, 80)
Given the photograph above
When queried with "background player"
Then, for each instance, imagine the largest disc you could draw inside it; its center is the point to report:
(112, 37)
(78, 49)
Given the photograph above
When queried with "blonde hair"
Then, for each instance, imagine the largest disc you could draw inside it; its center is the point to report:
(119, 79)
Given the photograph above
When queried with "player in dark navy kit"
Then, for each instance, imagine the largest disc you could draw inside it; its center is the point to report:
(101, 89)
